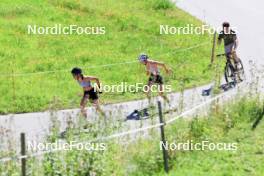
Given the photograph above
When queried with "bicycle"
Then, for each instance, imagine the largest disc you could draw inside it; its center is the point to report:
(234, 72)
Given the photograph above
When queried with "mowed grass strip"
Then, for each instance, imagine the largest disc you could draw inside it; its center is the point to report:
(132, 27)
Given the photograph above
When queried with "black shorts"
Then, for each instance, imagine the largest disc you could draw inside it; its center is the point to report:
(156, 79)
(91, 94)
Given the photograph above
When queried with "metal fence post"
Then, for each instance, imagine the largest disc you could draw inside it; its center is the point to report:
(165, 152)
(23, 153)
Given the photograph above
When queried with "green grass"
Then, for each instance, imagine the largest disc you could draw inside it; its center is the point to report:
(231, 124)
(132, 27)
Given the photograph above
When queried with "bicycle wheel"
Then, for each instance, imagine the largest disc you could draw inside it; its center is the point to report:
(229, 73)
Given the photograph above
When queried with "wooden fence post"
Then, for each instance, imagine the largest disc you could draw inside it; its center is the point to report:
(260, 117)
(213, 49)
(165, 152)
(23, 153)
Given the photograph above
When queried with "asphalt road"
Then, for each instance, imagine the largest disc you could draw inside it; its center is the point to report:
(36, 125)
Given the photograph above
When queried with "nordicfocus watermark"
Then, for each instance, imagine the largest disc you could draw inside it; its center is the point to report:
(65, 146)
(200, 146)
(59, 29)
(137, 87)
(189, 29)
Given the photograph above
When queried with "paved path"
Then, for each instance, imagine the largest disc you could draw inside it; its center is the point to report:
(37, 124)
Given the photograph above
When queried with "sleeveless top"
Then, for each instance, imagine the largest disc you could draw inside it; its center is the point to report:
(85, 83)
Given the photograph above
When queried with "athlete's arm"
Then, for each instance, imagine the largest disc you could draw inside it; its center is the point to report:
(161, 64)
(92, 78)
(147, 70)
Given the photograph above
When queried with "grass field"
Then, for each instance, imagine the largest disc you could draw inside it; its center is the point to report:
(132, 27)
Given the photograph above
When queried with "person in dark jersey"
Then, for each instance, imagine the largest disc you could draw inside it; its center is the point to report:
(230, 42)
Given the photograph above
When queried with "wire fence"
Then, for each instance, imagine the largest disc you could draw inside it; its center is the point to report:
(100, 66)
(37, 91)
(118, 135)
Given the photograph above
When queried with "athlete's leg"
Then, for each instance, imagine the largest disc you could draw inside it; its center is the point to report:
(97, 107)
(159, 81)
(229, 50)
(238, 67)
(94, 99)
(96, 104)
(236, 60)
(83, 104)
(230, 60)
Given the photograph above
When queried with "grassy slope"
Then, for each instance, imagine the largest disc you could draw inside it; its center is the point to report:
(132, 27)
(232, 124)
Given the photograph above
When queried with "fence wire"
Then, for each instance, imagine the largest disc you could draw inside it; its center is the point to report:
(226, 94)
